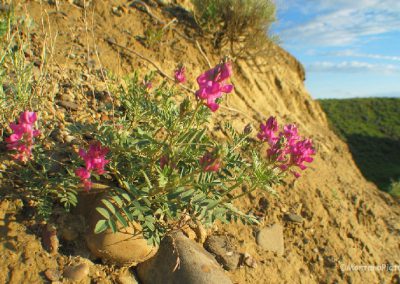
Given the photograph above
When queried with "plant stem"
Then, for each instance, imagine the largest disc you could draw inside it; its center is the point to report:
(199, 104)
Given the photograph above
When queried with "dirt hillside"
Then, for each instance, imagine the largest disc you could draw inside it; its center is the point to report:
(346, 219)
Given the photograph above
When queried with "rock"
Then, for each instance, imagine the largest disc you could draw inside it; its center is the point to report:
(223, 251)
(52, 274)
(126, 247)
(249, 260)
(81, 3)
(68, 105)
(329, 261)
(271, 239)
(116, 11)
(294, 218)
(50, 240)
(180, 260)
(76, 272)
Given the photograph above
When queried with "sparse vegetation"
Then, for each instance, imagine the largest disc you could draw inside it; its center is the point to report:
(15, 70)
(240, 25)
(371, 127)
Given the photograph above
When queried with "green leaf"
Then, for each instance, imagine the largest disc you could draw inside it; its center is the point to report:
(101, 226)
(109, 205)
(112, 225)
(149, 225)
(121, 219)
(103, 212)
(118, 200)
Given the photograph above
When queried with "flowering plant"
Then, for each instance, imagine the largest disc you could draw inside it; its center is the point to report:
(163, 167)
(168, 169)
(22, 138)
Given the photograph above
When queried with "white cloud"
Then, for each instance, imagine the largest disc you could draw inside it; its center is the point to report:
(352, 67)
(340, 22)
(352, 53)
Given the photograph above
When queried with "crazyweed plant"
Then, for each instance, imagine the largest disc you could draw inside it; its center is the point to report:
(169, 169)
(46, 178)
(163, 168)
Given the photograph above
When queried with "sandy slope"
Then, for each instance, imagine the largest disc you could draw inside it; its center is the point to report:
(347, 220)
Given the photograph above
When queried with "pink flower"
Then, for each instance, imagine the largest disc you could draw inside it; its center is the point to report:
(212, 85)
(22, 140)
(210, 162)
(291, 133)
(82, 173)
(287, 150)
(94, 161)
(180, 75)
(267, 131)
(301, 152)
(147, 85)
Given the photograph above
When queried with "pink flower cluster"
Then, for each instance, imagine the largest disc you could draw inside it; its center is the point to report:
(212, 84)
(210, 162)
(22, 138)
(287, 148)
(180, 75)
(94, 161)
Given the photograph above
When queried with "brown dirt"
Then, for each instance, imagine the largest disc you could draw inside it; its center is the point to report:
(347, 220)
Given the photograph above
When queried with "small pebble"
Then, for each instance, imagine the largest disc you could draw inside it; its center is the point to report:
(294, 218)
(52, 274)
(249, 260)
(76, 272)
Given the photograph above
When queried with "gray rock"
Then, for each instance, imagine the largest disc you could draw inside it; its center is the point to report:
(294, 218)
(223, 251)
(181, 260)
(271, 239)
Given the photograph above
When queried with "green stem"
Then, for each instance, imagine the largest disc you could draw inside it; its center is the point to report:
(199, 104)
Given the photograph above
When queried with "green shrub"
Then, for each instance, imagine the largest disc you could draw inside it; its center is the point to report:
(394, 188)
(371, 128)
(240, 25)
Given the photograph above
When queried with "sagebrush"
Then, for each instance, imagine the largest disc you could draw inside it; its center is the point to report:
(242, 26)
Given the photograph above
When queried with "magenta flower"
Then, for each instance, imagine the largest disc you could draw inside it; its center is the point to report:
(180, 75)
(148, 85)
(267, 131)
(291, 133)
(301, 152)
(287, 150)
(212, 85)
(210, 162)
(94, 162)
(23, 135)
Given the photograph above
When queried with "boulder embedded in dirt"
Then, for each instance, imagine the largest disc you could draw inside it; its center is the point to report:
(271, 239)
(127, 247)
(223, 250)
(181, 260)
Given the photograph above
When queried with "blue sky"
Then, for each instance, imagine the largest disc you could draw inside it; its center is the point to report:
(350, 48)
